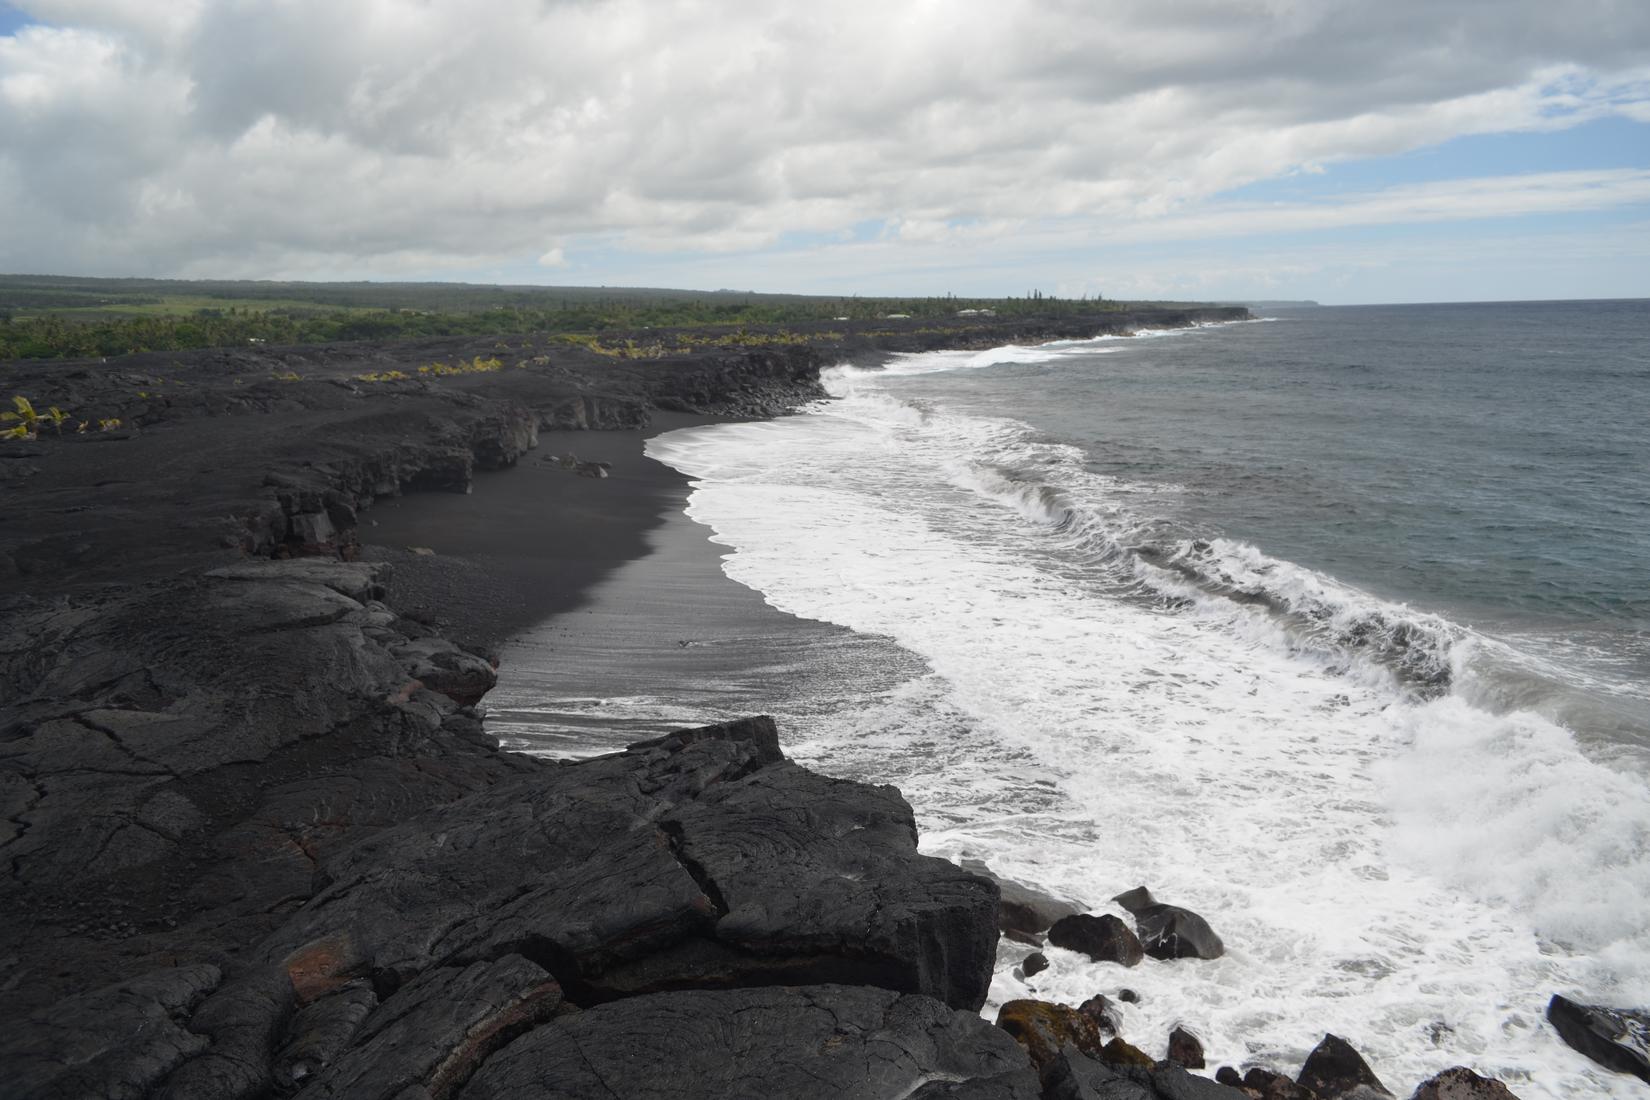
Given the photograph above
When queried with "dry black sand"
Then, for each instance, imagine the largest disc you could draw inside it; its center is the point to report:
(526, 543)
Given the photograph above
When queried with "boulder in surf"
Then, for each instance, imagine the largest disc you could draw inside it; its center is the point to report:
(1615, 1038)
(1461, 1083)
(1104, 938)
(1334, 1070)
(1168, 931)
(1024, 912)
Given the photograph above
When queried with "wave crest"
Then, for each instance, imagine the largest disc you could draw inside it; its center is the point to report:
(1226, 575)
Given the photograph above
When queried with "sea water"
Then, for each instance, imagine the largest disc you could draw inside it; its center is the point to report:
(1333, 627)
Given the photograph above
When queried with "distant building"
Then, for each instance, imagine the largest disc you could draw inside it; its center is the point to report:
(968, 313)
(896, 316)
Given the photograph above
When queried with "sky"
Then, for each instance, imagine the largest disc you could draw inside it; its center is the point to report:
(1337, 150)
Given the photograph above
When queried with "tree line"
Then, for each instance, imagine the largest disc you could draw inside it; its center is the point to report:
(56, 335)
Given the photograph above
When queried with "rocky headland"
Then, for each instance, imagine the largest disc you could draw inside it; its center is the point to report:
(259, 842)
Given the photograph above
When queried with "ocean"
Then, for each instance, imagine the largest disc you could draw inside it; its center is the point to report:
(1333, 626)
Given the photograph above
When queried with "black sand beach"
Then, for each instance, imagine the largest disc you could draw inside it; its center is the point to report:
(592, 589)
(668, 639)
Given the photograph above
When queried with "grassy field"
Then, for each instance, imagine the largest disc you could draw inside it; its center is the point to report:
(45, 317)
(179, 305)
(24, 296)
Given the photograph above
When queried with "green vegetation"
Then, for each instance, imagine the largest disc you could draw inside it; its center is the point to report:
(23, 416)
(50, 317)
(27, 422)
(478, 365)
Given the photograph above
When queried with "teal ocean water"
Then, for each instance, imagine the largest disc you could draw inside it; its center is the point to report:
(1333, 626)
(1486, 463)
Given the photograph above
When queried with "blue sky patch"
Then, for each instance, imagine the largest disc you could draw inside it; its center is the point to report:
(11, 19)
(1599, 144)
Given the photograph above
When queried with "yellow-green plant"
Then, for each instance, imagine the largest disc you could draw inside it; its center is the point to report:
(24, 416)
(478, 365)
(27, 419)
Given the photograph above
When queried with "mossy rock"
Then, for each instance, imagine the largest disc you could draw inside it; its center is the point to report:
(1118, 1053)
(1043, 1028)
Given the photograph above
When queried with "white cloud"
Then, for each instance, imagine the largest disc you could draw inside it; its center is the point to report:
(553, 258)
(1447, 264)
(1453, 200)
(310, 137)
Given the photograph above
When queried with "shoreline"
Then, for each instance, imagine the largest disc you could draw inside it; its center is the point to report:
(580, 714)
(260, 843)
(667, 638)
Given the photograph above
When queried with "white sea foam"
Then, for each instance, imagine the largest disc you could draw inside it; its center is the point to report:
(1107, 704)
(927, 362)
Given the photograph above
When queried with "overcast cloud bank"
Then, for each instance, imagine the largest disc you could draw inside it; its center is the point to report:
(397, 138)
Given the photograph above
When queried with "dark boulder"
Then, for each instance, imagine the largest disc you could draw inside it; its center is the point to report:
(441, 666)
(245, 1020)
(1124, 1073)
(1615, 1038)
(1168, 931)
(122, 1039)
(1334, 1069)
(700, 859)
(1274, 1086)
(1035, 963)
(1185, 1049)
(1102, 1012)
(320, 1032)
(1461, 1083)
(1024, 912)
(820, 880)
(1019, 1085)
(802, 1042)
(1072, 1075)
(1172, 1082)
(437, 1029)
(1226, 1075)
(1104, 938)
